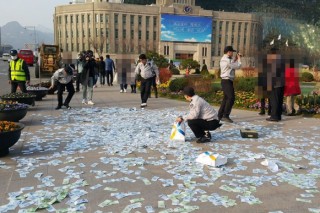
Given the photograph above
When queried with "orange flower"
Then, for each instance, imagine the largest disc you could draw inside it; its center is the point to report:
(8, 126)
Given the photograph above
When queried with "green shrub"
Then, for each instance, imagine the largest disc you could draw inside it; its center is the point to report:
(178, 84)
(245, 84)
(175, 71)
(307, 77)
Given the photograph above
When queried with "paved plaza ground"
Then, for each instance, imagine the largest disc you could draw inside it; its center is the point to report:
(116, 157)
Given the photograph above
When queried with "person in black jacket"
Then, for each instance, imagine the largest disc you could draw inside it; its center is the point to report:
(87, 78)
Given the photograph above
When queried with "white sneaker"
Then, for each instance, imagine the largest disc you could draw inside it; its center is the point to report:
(121, 91)
(143, 104)
(90, 102)
(84, 101)
(125, 90)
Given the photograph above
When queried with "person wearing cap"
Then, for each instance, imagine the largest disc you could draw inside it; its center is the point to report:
(147, 70)
(202, 116)
(19, 74)
(228, 65)
(63, 78)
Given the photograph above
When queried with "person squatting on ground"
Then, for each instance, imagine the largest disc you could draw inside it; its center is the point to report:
(228, 66)
(202, 116)
(18, 73)
(146, 70)
(110, 68)
(87, 78)
(63, 78)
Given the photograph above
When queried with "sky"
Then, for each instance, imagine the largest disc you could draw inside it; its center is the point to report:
(29, 12)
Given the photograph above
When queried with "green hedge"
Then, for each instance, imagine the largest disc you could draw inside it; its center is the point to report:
(245, 84)
(307, 77)
(178, 84)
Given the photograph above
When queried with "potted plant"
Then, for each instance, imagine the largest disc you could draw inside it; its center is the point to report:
(19, 97)
(12, 111)
(10, 133)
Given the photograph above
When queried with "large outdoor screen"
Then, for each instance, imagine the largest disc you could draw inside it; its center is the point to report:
(186, 28)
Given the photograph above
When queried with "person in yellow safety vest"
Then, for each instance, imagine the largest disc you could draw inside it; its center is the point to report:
(19, 73)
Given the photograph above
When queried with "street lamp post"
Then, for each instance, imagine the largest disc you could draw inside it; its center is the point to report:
(34, 34)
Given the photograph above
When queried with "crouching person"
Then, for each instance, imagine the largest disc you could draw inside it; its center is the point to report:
(62, 78)
(202, 116)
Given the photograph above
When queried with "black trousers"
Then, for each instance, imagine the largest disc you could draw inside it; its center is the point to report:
(109, 74)
(198, 126)
(154, 86)
(145, 89)
(102, 78)
(228, 98)
(61, 88)
(276, 101)
(78, 81)
(21, 84)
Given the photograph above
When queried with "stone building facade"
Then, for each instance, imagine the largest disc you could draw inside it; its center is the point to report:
(126, 30)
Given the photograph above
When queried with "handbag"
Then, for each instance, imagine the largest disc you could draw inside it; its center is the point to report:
(178, 132)
(115, 78)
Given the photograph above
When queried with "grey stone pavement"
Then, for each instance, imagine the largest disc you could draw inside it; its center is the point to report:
(92, 154)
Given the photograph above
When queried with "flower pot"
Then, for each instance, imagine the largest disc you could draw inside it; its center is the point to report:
(13, 114)
(8, 139)
(39, 94)
(24, 100)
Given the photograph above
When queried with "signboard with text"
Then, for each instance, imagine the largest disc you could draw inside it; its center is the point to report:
(186, 28)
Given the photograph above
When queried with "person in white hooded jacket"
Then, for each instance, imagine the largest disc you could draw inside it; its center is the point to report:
(63, 78)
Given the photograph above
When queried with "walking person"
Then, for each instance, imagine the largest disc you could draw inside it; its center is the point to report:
(18, 73)
(228, 66)
(87, 78)
(146, 70)
(63, 78)
(102, 71)
(201, 118)
(110, 68)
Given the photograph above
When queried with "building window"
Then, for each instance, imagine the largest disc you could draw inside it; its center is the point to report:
(147, 21)
(155, 21)
(107, 19)
(116, 33)
(77, 19)
(239, 27)
(116, 16)
(124, 33)
(139, 20)
(83, 33)
(101, 18)
(77, 33)
(82, 18)
(139, 35)
(66, 19)
(67, 47)
(107, 47)
(166, 50)
(132, 34)
(154, 36)
(101, 31)
(71, 19)
(233, 26)
(124, 20)
(131, 20)
(89, 33)
(147, 35)
(71, 33)
(97, 32)
(220, 25)
(72, 47)
(59, 19)
(78, 47)
(89, 18)
(67, 36)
